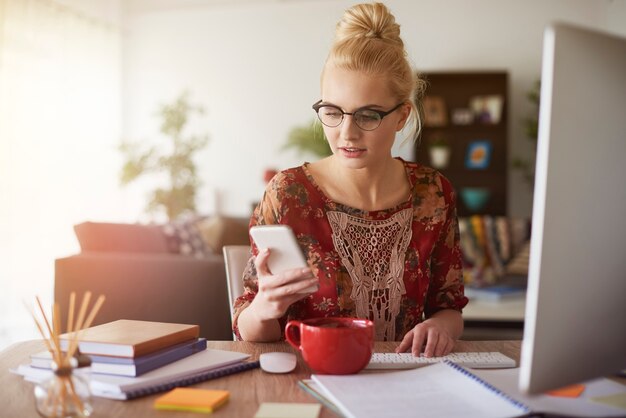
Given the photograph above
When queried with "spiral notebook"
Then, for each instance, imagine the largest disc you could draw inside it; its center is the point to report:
(205, 365)
(442, 390)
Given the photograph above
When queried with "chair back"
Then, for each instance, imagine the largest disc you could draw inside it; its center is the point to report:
(235, 259)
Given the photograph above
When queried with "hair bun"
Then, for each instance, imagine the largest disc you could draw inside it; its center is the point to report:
(371, 20)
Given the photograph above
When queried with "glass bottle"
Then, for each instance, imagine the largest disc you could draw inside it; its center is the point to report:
(65, 393)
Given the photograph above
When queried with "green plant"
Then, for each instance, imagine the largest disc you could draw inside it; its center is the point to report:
(175, 161)
(308, 138)
(531, 125)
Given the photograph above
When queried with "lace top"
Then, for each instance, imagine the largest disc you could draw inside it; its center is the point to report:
(393, 266)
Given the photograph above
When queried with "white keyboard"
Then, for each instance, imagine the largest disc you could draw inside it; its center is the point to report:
(473, 360)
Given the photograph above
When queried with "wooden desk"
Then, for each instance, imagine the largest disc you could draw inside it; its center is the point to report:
(247, 389)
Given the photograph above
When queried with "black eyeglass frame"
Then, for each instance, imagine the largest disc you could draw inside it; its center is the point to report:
(318, 105)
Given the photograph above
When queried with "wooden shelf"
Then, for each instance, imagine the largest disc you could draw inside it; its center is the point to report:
(457, 89)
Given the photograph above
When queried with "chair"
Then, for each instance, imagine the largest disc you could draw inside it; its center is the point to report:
(235, 259)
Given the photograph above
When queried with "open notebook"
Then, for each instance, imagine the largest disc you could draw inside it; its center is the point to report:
(442, 390)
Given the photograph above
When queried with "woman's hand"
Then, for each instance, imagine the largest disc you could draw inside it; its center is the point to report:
(438, 333)
(277, 292)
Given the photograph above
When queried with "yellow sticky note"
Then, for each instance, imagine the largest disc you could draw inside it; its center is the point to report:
(572, 391)
(194, 400)
(617, 400)
(288, 410)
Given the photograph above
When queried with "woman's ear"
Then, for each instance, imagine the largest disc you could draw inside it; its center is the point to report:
(405, 111)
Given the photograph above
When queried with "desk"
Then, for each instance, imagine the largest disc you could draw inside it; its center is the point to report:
(247, 389)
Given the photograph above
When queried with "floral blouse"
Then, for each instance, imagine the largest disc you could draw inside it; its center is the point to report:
(395, 266)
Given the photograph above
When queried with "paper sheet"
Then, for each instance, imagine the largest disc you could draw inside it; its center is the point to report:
(618, 400)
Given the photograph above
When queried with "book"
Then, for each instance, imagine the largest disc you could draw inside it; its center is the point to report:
(495, 293)
(194, 400)
(441, 390)
(205, 365)
(131, 338)
(128, 366)
(123, 366)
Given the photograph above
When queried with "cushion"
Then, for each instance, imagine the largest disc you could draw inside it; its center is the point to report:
(218, 231)
(118, 237)
(183, 237)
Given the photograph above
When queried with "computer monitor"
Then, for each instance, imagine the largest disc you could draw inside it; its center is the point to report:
(575, 323)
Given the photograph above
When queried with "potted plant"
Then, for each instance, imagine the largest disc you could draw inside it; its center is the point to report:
(531, 126)
(175, 160)
(310, 139)
(439, 152)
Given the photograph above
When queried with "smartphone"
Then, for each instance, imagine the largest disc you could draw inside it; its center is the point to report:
(285, 254)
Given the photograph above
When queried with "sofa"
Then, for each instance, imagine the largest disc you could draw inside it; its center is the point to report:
(171, 273)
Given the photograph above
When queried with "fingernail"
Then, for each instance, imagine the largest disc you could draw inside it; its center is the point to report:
(265, 250)
(306, 270)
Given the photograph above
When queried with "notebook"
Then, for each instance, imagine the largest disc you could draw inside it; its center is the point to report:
(439, 391)
(198, 367)
(131, 338)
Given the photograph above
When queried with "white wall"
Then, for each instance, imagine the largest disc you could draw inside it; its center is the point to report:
(255, 65)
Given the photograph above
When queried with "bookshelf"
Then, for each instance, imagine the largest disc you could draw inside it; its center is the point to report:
(467, 113)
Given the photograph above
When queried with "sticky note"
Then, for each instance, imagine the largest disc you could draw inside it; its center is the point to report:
(194, 400)
(617, 400)
(288, 410)
(572, 391)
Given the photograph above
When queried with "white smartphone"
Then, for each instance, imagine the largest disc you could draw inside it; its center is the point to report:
(285, 254)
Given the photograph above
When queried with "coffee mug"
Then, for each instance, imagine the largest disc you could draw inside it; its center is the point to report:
(333, 345)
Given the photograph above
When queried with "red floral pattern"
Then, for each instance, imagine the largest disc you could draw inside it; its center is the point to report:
(432, 263)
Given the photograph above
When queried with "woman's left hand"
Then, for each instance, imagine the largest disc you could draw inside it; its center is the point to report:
(432, 332)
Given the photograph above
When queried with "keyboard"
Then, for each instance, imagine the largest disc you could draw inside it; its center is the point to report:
(473, 360)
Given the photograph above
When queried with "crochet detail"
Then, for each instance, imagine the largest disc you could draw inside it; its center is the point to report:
(373, 252)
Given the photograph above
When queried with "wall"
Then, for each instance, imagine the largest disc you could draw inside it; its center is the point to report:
(255, 67)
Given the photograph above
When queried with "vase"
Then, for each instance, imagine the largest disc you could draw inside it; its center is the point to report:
(64, 394)
(439, 157)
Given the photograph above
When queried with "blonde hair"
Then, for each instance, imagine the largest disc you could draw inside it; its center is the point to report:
(367, 39)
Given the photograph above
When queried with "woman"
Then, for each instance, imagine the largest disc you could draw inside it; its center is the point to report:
(380, 234)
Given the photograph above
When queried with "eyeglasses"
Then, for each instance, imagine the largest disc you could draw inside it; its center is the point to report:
(366, 119)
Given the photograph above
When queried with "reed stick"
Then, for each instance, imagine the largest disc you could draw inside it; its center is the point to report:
(56, 328)
(79, 324)
(81, 328)
(70, 314)
(75, 398)
(65, 390)
(39, 327)
(45, 318)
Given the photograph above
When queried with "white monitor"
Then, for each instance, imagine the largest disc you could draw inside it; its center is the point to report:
(575, 323)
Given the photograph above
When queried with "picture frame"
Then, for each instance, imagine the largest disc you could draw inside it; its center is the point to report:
(478, 156)
(487, 109)
(435, 112)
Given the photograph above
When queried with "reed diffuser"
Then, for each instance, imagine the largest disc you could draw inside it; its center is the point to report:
(65, 393)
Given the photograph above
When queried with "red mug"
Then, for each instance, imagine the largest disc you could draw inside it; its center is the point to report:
(333, 345)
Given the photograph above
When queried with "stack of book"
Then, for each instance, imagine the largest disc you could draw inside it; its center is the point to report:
(131, 348)
(134, 358)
